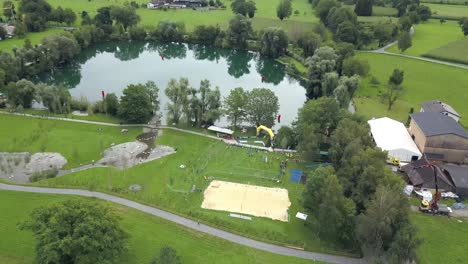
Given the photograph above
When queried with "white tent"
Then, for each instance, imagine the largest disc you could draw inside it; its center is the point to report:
(392, 136)
(221, 130)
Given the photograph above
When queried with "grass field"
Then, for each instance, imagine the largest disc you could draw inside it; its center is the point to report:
(34, 37)
(167, 186)
(423, 81)
(456, 51)
(264, 17)
(93, 117)
(452, 2)
(444, 239)
(448, 11)
(147, 235)
(78, 143)
(431, 35)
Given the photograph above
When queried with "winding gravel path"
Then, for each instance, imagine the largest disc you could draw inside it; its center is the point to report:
(191, 224)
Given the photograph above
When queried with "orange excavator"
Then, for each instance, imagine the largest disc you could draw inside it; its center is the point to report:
(433, 207)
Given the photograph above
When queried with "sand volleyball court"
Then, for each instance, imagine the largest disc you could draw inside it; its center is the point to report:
(247, 199)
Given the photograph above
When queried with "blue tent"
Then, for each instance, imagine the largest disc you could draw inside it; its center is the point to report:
(296, 176)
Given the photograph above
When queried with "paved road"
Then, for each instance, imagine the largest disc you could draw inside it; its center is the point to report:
(191, 224)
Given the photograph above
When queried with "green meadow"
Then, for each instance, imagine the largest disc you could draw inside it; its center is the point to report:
(78, 143)
(448, 11)
(147, 235)
(423, 81)
(166, 185)
(432, 35)
(456, 51)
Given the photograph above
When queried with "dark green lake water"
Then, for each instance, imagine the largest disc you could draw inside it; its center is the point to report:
(112, 66)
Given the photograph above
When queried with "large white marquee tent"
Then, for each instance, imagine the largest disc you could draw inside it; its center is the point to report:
(392, 136)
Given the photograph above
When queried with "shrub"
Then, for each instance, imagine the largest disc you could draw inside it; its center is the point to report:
(43, 175)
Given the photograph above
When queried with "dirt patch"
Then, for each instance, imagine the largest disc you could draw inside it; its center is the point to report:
(247, 199)
(18, 167)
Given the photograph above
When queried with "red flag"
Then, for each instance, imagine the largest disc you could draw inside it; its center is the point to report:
(102, 92)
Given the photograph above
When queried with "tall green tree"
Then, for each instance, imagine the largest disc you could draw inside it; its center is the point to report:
(8, 9)
(209, 104)
(323, 8)
(323, 61)
(153, 92)
(286, 138)
(76, 231)
(244, 7)
(135, 104)
(56, 98)
(309, 43)
(3, 33)
(166, 255)
(384, 229)
(424, 12)
(284, 9)
(404, 41)
(363, 7)
(125, 16)
(464, 27)
(324, 200)
(274, 42)
(168, 31)
(323, 114)
(234, 105)
(21, 93)
(394, 88)
(35, 14)
(239, 31)
(262, 107)
(178, 95)
(112, 104)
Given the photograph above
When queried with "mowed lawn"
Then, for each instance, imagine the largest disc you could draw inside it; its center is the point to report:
(34, 37)
(443, 239)
(423, 81)
(166, 185)
(431, 35)
(147, 235)
(456, 51)
(448, 11)
(78, 143)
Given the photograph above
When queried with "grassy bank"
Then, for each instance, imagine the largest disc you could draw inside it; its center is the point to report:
(167, 186)
(423, 81)
(147, 235)
(78, 143)
(34, 37)
(432, 35)
(456, 51)
(448, 11)
(443, 238)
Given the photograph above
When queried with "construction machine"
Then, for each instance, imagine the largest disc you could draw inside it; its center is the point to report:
(433, 207)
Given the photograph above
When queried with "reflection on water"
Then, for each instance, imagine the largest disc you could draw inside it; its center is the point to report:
(112, 66)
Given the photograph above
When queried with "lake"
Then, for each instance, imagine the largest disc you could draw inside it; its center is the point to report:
(112, 66)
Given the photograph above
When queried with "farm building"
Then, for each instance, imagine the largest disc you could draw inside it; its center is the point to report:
(435, 106)
(439, 137)
(392, 136)
(423, 177)
(459, 176)
(174, 3)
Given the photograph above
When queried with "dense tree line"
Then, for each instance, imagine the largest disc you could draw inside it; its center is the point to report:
(357, 202)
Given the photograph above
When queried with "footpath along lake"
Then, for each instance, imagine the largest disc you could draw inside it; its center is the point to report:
(112, 66)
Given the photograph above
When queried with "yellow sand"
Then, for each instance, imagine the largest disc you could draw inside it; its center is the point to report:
(247, 199)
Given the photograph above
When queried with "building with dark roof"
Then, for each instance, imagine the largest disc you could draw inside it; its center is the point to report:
(423, 177)
(435, 106)
(459, 176)
(439, 137)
